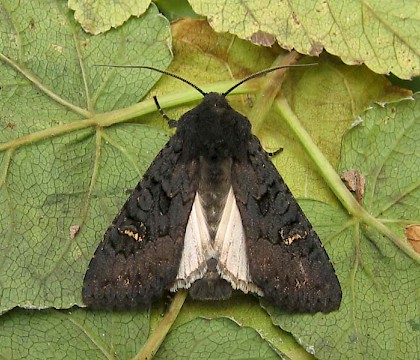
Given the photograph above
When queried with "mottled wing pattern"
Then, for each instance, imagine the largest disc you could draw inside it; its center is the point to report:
(286, 258)
(141, 250)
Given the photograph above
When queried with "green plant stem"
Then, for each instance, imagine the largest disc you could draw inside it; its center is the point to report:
(122, 115)
(324, 167)
(334, 182)
(155, 340)
(270, 88)
(398, 241)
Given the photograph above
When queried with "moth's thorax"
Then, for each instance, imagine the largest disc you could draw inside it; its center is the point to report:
(214, 184)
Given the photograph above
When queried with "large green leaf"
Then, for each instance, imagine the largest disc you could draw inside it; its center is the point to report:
(379, 314)
(382, 34)
(52, 184)
(215, 339)
(71, 334)
(384, 147)
(69, 154)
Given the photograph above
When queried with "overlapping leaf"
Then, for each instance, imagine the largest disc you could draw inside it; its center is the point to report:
(99, 16)
(382, 34)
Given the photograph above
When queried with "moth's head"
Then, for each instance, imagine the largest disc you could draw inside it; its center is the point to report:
(213, 129)
(215, 111)
(215, 103)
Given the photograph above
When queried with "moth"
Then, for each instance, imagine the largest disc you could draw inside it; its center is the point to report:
(212, 214)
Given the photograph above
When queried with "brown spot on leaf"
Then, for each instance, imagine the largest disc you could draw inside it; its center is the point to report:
(263, 38)
(412, 233)
(355, 182)
(316, 48)
(32, 25)
(295, 18)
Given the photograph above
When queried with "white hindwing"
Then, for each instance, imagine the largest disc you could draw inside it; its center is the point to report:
(196, 248)
(229, 248)
(230, 244)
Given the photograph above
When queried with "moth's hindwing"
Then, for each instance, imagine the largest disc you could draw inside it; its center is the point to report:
(286, 258)
(141, 250)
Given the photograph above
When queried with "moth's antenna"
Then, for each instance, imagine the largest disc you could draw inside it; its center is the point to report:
(172, 123)
(261, 73)
(161, 71)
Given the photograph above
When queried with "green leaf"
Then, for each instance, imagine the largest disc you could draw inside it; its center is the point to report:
(382, 34)
(381, 286)
(214, 339)
(381, 294)
(58, 165)
(72, 143)
(384, 147)
(71, 334)
(99, 16)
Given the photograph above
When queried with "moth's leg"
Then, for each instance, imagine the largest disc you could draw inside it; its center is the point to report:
(274, 153)
(171, 122)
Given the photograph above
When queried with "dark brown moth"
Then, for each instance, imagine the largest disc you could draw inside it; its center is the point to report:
(212, 214)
